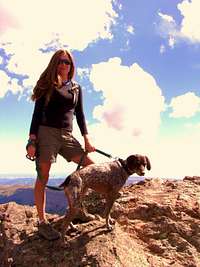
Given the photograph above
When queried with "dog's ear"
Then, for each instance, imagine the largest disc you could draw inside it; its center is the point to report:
(148, 163)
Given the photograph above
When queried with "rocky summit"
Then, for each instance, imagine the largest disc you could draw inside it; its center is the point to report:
(157, 225)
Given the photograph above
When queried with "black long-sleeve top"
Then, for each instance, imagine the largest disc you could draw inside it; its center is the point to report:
(59, 112)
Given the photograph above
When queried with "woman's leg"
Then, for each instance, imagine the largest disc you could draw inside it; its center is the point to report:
(39, 191)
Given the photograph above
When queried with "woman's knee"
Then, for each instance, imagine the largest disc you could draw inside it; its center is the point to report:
(43, 172)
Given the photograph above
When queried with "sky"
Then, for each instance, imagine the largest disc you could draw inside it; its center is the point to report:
(138, 63)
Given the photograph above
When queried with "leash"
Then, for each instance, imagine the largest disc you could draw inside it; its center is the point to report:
(96, 150)
(81, 160)
(104, 153)
(78, 167)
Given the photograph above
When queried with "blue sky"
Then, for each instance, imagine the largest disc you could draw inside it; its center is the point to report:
(138, 63)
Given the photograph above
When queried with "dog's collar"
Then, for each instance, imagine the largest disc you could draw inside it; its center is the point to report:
(124, 165)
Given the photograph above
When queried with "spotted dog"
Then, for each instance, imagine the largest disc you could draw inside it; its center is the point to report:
(105, 178)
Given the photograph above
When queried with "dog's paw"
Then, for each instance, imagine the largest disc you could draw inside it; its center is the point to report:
(110, 227)
(111, 221)
(110, 224)
(73, 227)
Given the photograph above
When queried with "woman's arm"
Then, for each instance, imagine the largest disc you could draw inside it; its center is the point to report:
(37, 117)
(80, 117)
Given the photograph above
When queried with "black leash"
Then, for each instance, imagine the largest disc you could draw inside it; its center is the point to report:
(81, 160)
(104, 153)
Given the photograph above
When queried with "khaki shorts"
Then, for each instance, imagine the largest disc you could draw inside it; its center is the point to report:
(53, 141)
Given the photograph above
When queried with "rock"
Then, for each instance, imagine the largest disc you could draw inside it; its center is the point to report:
(193, 179)
(157, 225)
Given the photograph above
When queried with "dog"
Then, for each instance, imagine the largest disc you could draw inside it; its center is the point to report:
(105, 178)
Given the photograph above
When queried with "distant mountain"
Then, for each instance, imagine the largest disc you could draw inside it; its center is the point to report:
(52, 181)
(21, 191)
(27, 181)
(24, 195)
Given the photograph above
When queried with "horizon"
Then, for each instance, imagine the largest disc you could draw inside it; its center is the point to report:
(63, 176)
(138, 63)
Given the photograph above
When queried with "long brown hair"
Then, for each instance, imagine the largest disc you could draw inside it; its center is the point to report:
(50, 79)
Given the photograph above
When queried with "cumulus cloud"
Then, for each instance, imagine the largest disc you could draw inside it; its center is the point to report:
(130, 112)
(83, 72)
(4, 83)
(191, 20)
(168, 28)
(9, 84)
(71, 26)
(188, 30)
(14, 87)
(166, 17)
(30, 28)
(7, 20)
(176, 157)
(173, 157)
(1, 60)
(186, 105)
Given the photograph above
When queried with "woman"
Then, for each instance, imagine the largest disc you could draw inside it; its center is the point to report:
(57, 98)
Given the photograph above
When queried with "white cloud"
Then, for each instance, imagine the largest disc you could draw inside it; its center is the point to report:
(168, 28)
(186, 105)
(43, 24)
(15, 87)
(162, 49)
(76, 24)
(171, 41)
(191, 19)
(130, 29)
(83, 72)
(188, 30)
(129, 121)
(21, 165)
(170, 157)
(166, 18)
(176, 157)
(4, 83)
(1, 60)
(9, 84)
(130, 113)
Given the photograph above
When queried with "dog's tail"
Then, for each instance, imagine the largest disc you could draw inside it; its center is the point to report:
(66, 182)
(61, 186)
(57, 188)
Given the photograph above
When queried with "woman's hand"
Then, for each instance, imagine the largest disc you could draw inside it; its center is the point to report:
(31, 147)
(88, 146)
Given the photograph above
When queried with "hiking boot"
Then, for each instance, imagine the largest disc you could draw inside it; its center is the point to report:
(48, 232)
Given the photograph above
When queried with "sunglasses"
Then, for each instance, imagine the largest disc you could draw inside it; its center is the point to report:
(64, 61)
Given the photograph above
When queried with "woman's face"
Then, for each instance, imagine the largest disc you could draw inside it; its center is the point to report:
(64, 65)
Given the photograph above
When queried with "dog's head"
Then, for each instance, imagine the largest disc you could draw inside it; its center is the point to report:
(137, 163)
